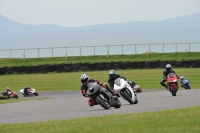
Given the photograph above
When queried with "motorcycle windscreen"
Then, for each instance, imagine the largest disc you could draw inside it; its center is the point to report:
(119, 84)
(93, 88)
(171, 75)
(185, 81)
(118, 81)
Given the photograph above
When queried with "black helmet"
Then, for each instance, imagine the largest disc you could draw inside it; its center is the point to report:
(84, 78)
(168, 67)
(111, 73)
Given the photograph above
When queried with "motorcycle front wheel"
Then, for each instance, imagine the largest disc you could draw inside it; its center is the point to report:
(103, 101)
(117, 103)
(127, 96)
(187, 87)
(16, 96)
(36, 94)
(174, 90)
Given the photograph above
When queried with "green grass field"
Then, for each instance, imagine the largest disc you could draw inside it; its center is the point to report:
(135, 57)
(169, 121)
(146, 78)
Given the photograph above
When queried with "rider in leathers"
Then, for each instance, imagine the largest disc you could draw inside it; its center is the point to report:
(168, 69)
(84, 87)
(112, 77)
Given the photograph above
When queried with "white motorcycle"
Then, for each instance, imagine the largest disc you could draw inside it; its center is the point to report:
(31, 92)
(123, 88)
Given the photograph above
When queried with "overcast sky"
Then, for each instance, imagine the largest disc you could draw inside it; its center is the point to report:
(76, 13)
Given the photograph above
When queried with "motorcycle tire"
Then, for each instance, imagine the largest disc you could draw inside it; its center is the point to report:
(174, 90)
(36, 94)
(127, 96)
(117, 103)
(136, 101)
(187, 87)
(102, 102)
(16, 97)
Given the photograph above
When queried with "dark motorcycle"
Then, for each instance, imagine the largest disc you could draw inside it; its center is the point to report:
(102, 96)
(172, 83)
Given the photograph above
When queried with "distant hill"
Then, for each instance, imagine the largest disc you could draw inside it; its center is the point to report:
(180, 29)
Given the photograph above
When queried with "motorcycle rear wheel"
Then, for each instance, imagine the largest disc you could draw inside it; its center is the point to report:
(103, 101)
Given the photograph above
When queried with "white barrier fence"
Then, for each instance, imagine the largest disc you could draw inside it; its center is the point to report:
(123, 49)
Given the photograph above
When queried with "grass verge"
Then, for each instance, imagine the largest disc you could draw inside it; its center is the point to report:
(169, 121)
(146, 78)
(74, 59)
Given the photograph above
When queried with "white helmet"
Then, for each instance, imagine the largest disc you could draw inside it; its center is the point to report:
(181, 77)
(84, 78)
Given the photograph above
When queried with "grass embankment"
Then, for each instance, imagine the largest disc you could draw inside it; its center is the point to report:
(170, 121)
(146, 78)
(135, 57)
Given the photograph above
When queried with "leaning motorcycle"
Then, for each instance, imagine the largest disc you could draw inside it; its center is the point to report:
(124, 89)
(102, 96)
(172, 83)
(11, 94)
(31, 92)
(185, 84)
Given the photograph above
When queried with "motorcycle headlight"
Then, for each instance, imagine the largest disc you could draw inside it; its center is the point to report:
(91, 89)
(175, 80)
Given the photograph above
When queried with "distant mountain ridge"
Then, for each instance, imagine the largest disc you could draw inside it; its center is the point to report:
(180, 29)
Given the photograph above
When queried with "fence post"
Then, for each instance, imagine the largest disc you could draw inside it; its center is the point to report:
(66, 50)
(24, 57)
(65, 56)
(147, 53)
(189, 47)
(135, 49)
(94, 51)
(107, 51)
(176, 47)
(80, 51)
(38, 52)
(163, 47)
(52, 51)
(149, 47)
(10, 54)
(122, 49)
(186, 51)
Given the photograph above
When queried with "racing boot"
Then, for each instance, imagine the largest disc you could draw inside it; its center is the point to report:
(91, 102)
(115, 94)
(162, 83)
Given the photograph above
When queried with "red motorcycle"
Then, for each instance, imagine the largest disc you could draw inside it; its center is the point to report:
(172, 83)
(11, 94)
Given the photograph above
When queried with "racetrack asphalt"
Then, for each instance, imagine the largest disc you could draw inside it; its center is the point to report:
(71, 104)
